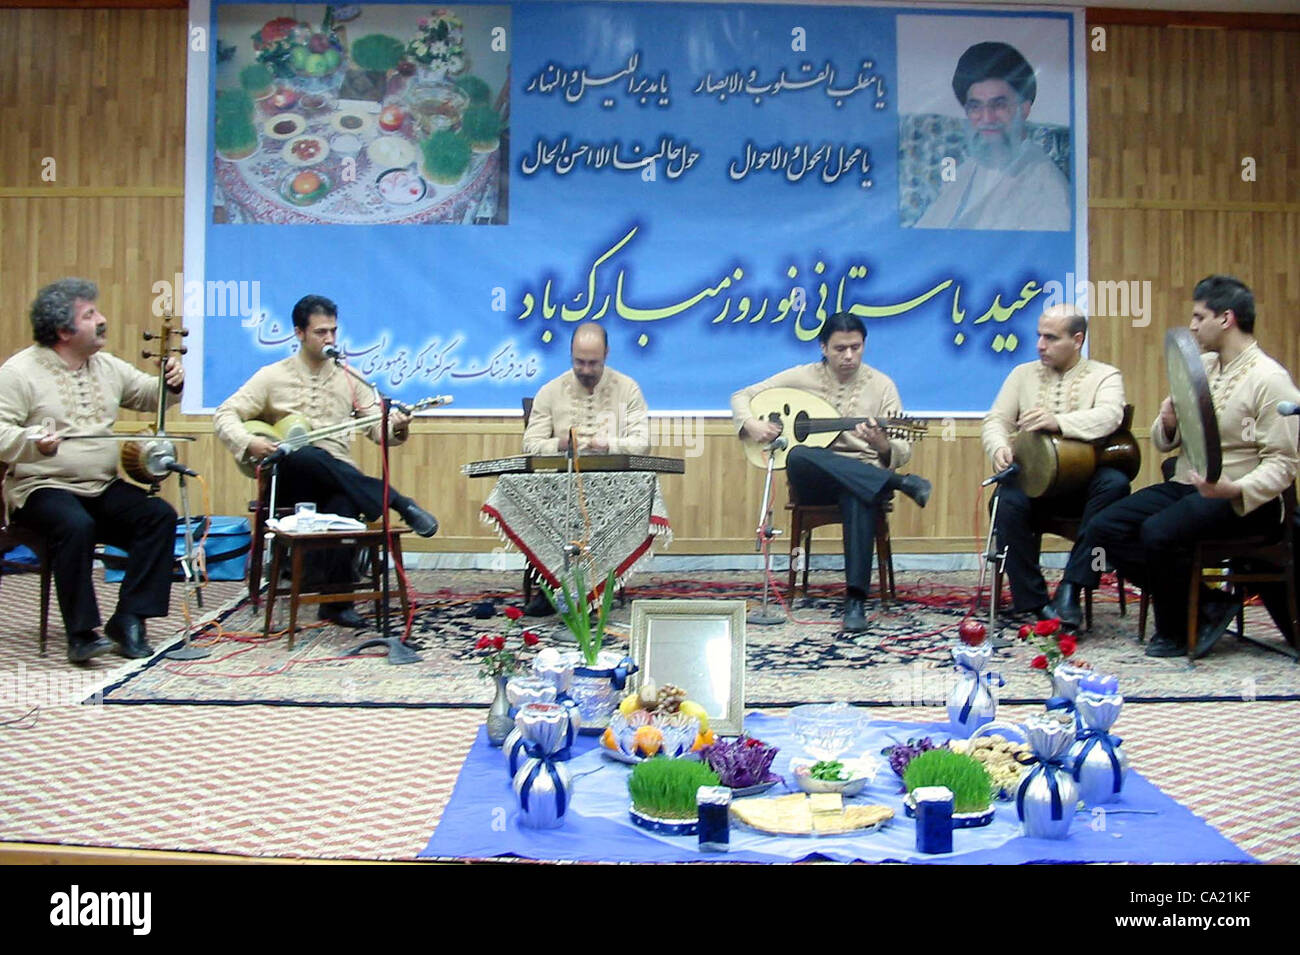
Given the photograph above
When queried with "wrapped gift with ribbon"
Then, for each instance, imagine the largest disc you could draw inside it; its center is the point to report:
(1099, 761)
(542, 784)
(521, 690)
(973, 702)
(1047, 794)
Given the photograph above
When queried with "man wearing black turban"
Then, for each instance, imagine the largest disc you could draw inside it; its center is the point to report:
(1007, 181)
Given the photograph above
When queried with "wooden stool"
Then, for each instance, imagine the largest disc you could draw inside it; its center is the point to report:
(295, 547)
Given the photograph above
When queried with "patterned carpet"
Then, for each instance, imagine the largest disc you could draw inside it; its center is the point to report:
(902, 659)
(355, 783)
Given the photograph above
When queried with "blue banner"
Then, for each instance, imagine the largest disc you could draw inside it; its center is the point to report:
(709, 182)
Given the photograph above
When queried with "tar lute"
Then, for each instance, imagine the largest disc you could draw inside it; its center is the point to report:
(808, 420)
(293, 431)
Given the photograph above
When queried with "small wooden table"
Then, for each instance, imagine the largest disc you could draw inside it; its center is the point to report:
(295, 547)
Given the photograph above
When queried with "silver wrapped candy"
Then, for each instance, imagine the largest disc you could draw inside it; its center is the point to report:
(1046, 797)
(1099, 762)
(542, 784)
(973, 701)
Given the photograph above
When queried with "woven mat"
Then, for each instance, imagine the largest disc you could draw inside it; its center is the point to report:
(902, 659)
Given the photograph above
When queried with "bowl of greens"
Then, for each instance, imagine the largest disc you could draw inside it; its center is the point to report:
(845, 776)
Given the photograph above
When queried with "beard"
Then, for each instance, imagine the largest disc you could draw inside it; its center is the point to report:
(997, 151)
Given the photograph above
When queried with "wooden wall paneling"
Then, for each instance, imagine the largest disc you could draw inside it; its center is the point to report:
(1172, 112)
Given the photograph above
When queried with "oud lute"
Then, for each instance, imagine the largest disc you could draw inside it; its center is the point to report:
(813, 422)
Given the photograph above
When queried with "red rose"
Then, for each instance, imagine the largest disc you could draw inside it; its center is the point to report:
(483, 642)
(1045, 628)
(972, 632)
(531, 639)
(1068, 645)
(1025, 631)
(1040, 662)
(514, 613)
(498, 643)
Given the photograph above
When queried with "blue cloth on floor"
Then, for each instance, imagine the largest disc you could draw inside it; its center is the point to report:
(480, 820)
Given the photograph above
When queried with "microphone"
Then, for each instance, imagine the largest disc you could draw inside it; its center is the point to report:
(279, 454)
(777, 444)
(178, 468)
(162, 459)
(333, 353)
(1002, 475)
(1285, 408)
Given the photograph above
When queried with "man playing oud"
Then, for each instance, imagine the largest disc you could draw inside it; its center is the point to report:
(311, 384)
(858, 470)
(1060, 393)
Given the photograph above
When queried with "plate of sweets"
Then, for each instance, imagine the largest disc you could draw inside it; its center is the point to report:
(305, 151)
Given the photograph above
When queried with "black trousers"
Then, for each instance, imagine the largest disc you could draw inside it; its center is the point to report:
(336, 487)
(1017, 518)
(1149, 538)
(820, 476)
(123, 516)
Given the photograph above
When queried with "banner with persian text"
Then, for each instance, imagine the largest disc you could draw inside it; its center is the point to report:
(707, 181)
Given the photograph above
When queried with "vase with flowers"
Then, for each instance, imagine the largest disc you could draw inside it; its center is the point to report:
(438, 47)
(599, 675)
(500, 657)
(1055, 647)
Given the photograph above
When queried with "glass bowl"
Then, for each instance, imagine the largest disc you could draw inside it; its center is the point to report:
(826, 730)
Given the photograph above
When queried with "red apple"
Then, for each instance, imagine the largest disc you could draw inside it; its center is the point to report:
(972, 632)
(391, 119)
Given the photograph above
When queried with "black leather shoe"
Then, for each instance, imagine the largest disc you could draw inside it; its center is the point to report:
(1216, 616)
(538, 606)
(86, 644)
(855, 616)
(916, 487)
(1067, 607)
(1162, 646)
(342, 616)
(127, 631)
(418, 519)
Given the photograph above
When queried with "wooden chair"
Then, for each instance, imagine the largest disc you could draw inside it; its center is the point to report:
(805, 518)
(257, 542)
(15, 535)
(1237, 563)
(1067, 528)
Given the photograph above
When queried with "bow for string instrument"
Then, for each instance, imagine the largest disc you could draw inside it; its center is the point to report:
(294, 431)
(152, 456)
(806, 419)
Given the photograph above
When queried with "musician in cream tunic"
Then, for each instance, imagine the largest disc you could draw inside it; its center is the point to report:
(1150, 535)
(1061, 393)
(604, 408)
(858, 470)
(311, 384)
(69, 490)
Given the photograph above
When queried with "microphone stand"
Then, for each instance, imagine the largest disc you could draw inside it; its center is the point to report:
(766, 617)
(186, 651)
(398, 652)
(570, 549)
(991, 555)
